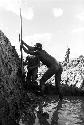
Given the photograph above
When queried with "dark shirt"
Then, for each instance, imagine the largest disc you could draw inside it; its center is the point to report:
(33, 61)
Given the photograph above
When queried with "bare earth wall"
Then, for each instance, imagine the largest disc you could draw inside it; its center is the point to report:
(10, 79)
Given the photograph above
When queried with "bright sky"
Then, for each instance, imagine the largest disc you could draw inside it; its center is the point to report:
(57, 24)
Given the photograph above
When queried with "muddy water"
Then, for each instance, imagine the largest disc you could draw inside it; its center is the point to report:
(52, 111)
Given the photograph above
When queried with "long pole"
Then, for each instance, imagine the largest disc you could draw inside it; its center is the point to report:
(20, 39)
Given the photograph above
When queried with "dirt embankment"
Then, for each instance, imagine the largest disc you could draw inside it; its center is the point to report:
(10, 79)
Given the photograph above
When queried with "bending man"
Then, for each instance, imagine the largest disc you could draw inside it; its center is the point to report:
(53, 65)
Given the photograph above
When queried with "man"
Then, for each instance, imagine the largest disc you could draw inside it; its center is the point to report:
(53, 65)
(67, 55)
(32, 63)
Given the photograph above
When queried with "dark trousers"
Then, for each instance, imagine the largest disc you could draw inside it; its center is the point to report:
(58, 78)
(49, 73)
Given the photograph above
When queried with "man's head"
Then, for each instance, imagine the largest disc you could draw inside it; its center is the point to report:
(38, 46)
(68, 48)
(28, 57)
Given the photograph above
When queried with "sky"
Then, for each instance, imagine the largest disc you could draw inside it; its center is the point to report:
(57, 24)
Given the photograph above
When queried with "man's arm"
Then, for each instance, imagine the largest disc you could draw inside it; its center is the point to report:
(29, 47)
(28, 51)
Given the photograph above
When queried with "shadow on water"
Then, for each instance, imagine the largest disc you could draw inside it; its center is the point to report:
(53, 111)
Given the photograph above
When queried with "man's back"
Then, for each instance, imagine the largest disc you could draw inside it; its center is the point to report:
(47, 59)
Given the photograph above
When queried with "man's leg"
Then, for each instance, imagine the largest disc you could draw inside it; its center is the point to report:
(57, 81)
(35, 74)
(48, 74)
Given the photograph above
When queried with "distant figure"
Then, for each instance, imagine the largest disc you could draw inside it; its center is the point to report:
(54, 67)
(67, 55)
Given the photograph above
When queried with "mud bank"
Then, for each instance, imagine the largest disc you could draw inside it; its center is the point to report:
(10, 79)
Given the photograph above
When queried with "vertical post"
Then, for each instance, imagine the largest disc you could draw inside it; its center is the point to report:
(20, 39)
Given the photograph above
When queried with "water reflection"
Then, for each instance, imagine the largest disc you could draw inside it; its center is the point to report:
(55, 117)
(53, 111)
(42, 116)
